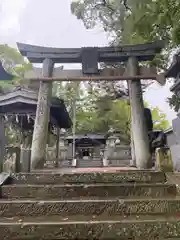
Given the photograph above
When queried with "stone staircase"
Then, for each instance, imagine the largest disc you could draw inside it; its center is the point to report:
(119, 163)
(67, 163)
(124, 205)
(90, 163)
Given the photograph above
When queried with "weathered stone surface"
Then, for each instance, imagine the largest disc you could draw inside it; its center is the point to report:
(114, 177)
(82, 209)
(91, 190)
(164, 160)
(174, 178)
(99, 208)
(125, 230)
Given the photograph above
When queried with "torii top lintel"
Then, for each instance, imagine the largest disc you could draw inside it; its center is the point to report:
(143, 52)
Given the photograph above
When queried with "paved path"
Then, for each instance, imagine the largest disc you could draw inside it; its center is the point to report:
(86, 170)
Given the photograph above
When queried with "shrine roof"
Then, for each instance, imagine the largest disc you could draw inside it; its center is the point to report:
(87, 142)
(88, 135)
(21, 99)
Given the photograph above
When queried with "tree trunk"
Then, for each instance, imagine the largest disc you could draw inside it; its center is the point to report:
(139, 128)
(40, 134)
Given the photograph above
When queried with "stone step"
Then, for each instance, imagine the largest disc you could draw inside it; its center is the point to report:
(65, 163)
(90, 164)
(96, 162)
(70, 176)
(116, 162)
(87, 191)
(88, 208)
(138, 228)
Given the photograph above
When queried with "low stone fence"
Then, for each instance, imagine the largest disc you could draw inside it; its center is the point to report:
(11, 162)
(17, 159)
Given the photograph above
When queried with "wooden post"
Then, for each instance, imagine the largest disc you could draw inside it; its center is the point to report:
(57, 147)
(40, 134)
(3, 143)
(18, 162)
(140, 135)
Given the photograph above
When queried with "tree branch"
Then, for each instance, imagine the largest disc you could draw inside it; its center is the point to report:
(105, 4)
(126, 5)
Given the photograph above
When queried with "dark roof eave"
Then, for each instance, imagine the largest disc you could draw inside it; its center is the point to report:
(174, 69)
(176, 86)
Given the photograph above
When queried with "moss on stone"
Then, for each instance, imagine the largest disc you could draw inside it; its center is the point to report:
(114, 177)
(149, 230)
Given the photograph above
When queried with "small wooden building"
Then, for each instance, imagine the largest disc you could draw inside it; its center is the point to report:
(18, 107)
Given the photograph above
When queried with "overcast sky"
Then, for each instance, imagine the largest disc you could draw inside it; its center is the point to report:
(50, 23)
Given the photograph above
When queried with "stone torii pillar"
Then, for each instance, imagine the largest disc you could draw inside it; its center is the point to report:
(138, 123)
(40, 133)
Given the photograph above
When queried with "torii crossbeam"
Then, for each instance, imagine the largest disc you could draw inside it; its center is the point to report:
(107, 74)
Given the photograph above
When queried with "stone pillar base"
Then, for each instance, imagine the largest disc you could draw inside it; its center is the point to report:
(74, 162)
(164, 160)
(105, 162)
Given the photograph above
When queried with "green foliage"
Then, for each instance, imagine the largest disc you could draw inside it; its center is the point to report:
(135, 21)
(15, 64)
(174, 102)
(132, 21)
(159, 118)
(106, 114)
(98, 113)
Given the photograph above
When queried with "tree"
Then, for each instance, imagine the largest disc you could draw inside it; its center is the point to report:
(135, 21)
(174, 102)
(14, 63)
(159, 118)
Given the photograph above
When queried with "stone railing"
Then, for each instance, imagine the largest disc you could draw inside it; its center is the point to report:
(18, 159)
(11, 161)
(117, 155)
(51, 157)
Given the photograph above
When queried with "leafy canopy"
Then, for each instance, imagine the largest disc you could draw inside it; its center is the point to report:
(135, 21)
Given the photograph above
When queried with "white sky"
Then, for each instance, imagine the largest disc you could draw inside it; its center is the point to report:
(50, 23)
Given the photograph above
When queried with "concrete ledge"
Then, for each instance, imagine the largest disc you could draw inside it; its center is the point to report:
(87, 191)
(72, 176)
(88, 208)
(121, 230)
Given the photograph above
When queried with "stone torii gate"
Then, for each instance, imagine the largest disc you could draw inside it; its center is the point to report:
(90, 57)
